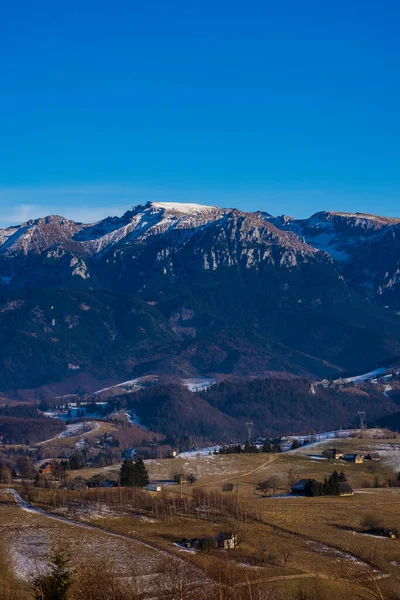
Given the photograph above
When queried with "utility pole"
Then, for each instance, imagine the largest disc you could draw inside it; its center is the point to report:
(181, 484)
(361, 414)
(249, 426)
(237, 493)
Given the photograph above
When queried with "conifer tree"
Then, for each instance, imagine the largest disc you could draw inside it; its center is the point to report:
(266, 446)
(127, 473)
(140, 474)
(276, 448)
(55, 582)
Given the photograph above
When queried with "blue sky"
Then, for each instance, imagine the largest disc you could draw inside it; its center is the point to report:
(289, 107)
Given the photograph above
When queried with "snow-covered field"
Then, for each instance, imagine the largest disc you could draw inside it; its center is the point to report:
(133, 419)
(32, 532)
(200, 452)
(366, 376)
(73, 430)
(130, 385)
(198, 384)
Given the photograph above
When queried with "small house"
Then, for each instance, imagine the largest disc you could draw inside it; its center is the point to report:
(345, 489)
(226, 540)
(353, 458)
(46, 468)
(332, 453)
(202, 544)
(129, 454)
(372, 456)
(154, 487)
(299, 488)
(172, 454)
(109, 483)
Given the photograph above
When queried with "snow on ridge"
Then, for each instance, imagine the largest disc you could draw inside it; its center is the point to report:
(184, 207)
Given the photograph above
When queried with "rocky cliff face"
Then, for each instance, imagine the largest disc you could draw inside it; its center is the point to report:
(158, 238)
(365, 248)
(192, 289)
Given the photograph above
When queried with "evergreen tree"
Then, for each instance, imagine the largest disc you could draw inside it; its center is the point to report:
(335, 483)
(127, 473)
(331, 484)
(55, 582)
(266, 447)
(140, 474)
(313, 488)
(327, 487)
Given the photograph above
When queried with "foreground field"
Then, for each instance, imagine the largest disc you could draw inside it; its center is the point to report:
(289, 547)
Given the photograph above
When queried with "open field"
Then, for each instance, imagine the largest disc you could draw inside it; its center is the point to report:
(55, 446)
(285, 542)
(30, 536)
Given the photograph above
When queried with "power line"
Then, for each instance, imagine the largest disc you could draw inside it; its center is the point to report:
(361, 414)
(249, 426)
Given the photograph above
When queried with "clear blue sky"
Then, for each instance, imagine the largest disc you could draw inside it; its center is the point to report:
(289, 106)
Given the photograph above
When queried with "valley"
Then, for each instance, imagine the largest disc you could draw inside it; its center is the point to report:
(285, 543)
(170, 376)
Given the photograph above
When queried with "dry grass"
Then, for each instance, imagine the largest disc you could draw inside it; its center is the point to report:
(57, 446)
(289, 536)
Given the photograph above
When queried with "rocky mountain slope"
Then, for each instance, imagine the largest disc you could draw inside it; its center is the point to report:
(365, 248)
(188, 289)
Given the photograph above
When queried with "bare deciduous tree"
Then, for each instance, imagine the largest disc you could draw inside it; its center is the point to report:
(270, 483)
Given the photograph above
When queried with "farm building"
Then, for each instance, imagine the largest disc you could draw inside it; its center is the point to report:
(129, 454)
(109, 483)
(226, 540)
(354, 458)
(154, 487)
(345, 489)
(372, 456)
(172, 454)
(299, 488)
(332, 453)
(46, 468)
(202, 544)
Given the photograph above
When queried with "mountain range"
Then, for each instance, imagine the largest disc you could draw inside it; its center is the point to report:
(188, 290)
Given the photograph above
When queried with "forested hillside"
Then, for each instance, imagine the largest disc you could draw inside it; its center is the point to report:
(276, 406)
(178, 289)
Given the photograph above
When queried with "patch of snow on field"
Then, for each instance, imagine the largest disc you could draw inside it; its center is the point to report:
(390, 454)
(325, 549)
(28, 549)
(131, 383)
(199, 384)
(183, 549)
(133, 419)
(200, 452)
(285, 497)
(360, 378)
(72, 431)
